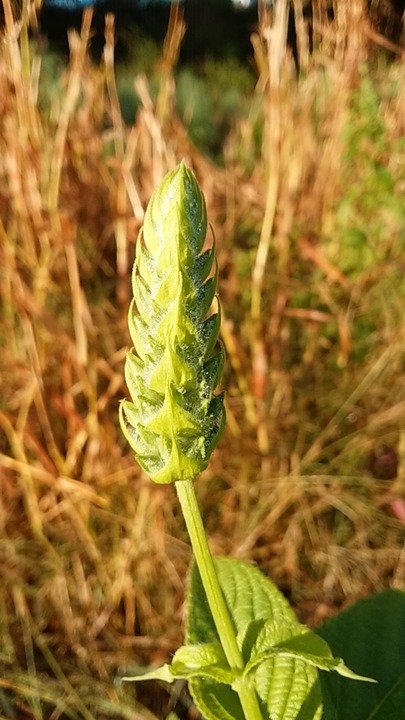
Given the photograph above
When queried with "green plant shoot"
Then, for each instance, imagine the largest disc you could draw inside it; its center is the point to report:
(246, 655)
(174, 420)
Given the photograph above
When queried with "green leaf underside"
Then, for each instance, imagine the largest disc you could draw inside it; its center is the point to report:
(174, 420)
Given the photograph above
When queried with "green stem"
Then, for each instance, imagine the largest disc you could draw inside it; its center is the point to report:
(215, 598)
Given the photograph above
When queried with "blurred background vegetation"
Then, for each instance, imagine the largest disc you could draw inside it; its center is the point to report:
(296, 133)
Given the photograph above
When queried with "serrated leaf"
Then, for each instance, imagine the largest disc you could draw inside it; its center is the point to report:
(283, 678)
(306, 646)
(216, 701)
(249, 595)
(273, 640)
(313, 649)
(283, 684)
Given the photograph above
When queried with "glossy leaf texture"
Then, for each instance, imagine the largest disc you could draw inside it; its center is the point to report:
(371, 637)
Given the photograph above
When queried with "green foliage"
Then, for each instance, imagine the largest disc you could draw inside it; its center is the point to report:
(174, 421)
(87, 547)
(196, 109)
(262, 618)
(246, 655)
(368, 238)
(371, 209)
(281, 656)
(52, 67)
(371, 637)
(143, 56)
(211, 98)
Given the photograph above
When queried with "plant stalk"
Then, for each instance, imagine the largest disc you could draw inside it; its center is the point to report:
(219, 610)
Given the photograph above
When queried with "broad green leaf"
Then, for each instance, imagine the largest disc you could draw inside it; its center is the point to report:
(370, 636)
(283, 677)
(315, 651)
(250, 596)
(283, 684)
(305, 646)
(216, 701)
(393, 704)
(262, 617)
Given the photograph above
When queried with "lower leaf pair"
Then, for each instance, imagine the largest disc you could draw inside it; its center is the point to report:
(281, 655)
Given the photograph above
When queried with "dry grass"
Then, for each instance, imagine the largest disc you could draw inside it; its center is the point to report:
(310, 475)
